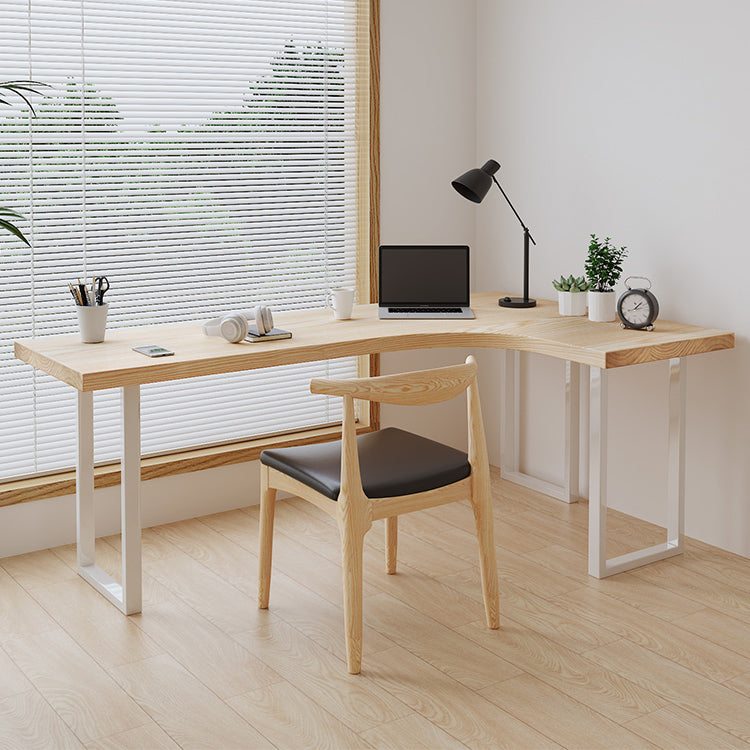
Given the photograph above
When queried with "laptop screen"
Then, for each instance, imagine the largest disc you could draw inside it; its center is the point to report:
(423, 275)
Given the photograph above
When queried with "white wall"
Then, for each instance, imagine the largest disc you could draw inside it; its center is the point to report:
(428, 131)
(427, 135)
(630, 120)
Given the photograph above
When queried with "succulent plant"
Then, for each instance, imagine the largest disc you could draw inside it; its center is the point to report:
(571, 284)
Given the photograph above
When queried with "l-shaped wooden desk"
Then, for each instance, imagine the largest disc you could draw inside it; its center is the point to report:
(600, 346)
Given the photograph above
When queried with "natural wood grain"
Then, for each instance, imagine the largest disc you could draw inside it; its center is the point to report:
(185, 708)
(559, 717)
(554, 638)
(701, 589)
(717, 626)
(359, 704)
(79, 690)
(449, 705)
(206, 651)
(289, 718)
(354, 512)
(604, 690)
(714, 703)
(403, 389)
(37, 568)
(458, 657)
(673, 728)
(413, 732)
(19, 613)
(308, 612)
(698, 654)
(12, 679)
(317, 336)
(98, 627)
(27, 722)
(147, 737)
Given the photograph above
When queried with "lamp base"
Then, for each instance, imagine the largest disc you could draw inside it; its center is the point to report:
(516, 302)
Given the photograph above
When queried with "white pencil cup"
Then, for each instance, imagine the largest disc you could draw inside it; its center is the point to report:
(341, 302)
(92, 320)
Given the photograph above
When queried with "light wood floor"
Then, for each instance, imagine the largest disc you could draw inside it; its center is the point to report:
(658, 657)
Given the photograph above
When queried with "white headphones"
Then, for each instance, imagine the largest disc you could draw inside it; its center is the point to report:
(234, 327)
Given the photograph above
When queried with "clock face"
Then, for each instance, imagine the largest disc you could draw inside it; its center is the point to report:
(637, 308)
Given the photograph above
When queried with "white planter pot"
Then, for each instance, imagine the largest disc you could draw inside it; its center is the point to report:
(602, 306)
(571, 303)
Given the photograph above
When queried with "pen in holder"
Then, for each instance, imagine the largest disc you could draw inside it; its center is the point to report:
(92, 320)
(91, 308)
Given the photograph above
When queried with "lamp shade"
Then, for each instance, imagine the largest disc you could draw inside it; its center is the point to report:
(475, 183)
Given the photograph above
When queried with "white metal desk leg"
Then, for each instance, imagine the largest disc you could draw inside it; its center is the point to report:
(130, 499)
(571, 436)
(597, 472)
(85, 536)
(126, 595)
(599, 566)
(510, 431)
(510, 424)
(676, 460)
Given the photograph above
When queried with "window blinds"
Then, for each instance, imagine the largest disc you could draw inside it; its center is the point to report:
(202, 154)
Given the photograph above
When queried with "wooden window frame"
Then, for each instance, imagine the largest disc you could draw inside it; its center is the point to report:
(63, 483)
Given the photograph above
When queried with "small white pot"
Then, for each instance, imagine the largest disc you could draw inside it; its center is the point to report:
(571, 303)
(602, 306)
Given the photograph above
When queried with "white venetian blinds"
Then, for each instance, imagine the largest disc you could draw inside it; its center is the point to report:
(202, 154)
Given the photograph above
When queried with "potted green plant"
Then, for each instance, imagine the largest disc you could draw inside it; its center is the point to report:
(603, 268)
(571, 294)
(10, 91)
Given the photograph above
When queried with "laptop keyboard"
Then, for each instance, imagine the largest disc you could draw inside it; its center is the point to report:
(425, 309)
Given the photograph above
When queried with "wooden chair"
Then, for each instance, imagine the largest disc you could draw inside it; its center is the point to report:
(381, 475)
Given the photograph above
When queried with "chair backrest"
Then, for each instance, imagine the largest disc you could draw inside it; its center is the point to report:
(405, 389)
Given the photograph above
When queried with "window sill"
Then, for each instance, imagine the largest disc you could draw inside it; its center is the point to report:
(64, 483)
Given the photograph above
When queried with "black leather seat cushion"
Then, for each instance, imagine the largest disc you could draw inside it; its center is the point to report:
(392, 462)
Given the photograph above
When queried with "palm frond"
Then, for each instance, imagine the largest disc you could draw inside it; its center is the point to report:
(21, 89)
(13, 229)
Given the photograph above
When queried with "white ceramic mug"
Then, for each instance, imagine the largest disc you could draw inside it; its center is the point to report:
(341, 302)
(92, 320)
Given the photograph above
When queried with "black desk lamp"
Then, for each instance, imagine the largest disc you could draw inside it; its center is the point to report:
(474, 185)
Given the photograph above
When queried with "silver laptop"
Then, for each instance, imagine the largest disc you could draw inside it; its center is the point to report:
(423, 281)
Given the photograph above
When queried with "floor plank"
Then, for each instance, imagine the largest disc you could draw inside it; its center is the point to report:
(27, 721)
(79, 690)
(559, 717)
(714, 703)
(413, 732)
(449, 705)
(289, 718)
(673, 728)
(191, 714)
(359, 704)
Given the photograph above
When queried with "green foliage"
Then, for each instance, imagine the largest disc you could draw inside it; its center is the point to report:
(604, 264)
(571, 284)
(10, 93)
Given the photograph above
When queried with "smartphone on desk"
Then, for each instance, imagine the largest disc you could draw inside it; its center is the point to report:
(153, 350)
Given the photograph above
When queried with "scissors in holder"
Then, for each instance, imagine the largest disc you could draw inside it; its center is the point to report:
(100, 285)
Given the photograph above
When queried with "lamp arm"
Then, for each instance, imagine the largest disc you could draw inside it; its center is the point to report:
(525, 228)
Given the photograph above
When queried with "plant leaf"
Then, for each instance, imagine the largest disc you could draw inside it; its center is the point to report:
(13, 230)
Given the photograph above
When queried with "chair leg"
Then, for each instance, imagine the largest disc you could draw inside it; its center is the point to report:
(391, 544)
(352, 544)
(267, 506)
(481, 502)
